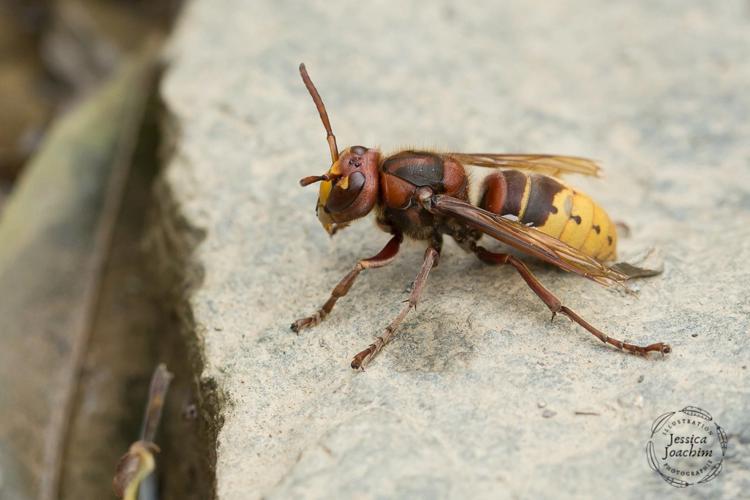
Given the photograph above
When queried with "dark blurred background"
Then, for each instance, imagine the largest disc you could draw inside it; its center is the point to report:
(53, 53)
(81, 336)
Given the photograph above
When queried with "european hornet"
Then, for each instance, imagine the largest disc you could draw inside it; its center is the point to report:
(424, 195)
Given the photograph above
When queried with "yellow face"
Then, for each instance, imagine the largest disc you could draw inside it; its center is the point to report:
(323, 195)
(325, 192)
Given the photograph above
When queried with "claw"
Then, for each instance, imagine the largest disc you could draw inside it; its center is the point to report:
(359, 359)
(660, 347)
(301, 324)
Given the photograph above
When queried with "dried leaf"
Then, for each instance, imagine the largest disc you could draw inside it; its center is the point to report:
(133, 467)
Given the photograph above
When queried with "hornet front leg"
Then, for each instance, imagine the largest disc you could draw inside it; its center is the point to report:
(361, 360)
(383, 258)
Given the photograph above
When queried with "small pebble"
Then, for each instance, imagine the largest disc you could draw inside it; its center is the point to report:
(631, 400)
(541, 404)
(640, 378)
(548, 413)
(693, 335)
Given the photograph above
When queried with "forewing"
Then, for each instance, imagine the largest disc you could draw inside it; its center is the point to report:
(527, 240)
(554, 165)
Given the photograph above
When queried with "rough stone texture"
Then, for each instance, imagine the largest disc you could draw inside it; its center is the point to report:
(479, 393)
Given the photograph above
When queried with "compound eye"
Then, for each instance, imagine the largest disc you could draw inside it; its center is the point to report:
(341, 199)
(358, 150)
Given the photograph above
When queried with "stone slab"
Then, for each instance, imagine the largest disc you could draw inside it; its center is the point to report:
(479, 396)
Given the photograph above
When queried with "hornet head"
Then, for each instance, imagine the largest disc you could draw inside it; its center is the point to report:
(349, 190)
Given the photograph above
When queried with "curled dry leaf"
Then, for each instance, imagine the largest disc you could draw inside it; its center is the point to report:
(133, 467)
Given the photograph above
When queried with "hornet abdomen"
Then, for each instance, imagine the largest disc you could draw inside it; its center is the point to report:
(553, 208)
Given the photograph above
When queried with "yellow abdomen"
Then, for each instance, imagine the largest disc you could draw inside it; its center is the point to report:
(583, 224)
(553, 208)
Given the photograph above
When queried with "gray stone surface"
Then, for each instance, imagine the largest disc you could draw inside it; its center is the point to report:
(478, 394)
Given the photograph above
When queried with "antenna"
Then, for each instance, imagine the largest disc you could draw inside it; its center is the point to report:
(306, 181)
(322, 111)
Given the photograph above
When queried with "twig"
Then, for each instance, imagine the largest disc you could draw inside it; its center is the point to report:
(132, 477)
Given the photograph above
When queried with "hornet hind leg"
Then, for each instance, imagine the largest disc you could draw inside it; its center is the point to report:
(554, 304)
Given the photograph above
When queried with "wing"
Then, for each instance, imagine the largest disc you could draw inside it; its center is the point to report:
(526, 239)
(544, 164)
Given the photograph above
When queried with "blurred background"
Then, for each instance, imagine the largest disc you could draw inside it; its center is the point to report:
(53, 53)
(79, 141)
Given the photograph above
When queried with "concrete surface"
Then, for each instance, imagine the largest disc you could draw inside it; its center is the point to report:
(478, 395)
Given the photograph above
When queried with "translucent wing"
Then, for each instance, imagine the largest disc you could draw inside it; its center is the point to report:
(526, 239)
(544, 164)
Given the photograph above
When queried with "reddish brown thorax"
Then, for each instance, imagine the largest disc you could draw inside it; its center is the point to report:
(352, 190)
(405, 172)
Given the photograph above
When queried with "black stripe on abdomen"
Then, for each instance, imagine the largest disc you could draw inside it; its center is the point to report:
(515, 182)
(542, 193)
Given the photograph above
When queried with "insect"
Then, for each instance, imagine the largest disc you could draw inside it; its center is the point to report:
(425, 195)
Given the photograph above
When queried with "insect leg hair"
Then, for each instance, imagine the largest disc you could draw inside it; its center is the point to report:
(554, 304)
(361, 360)
(383, 258)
